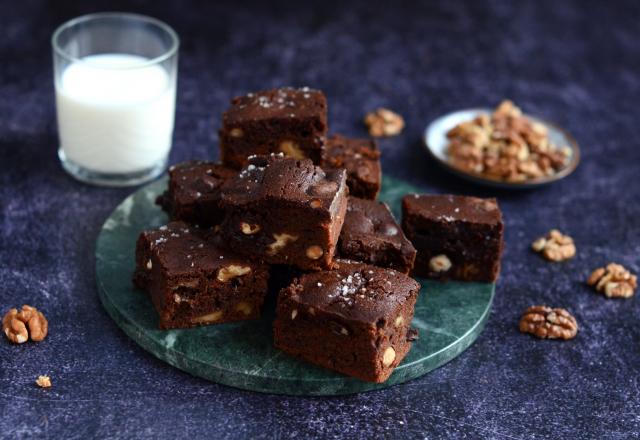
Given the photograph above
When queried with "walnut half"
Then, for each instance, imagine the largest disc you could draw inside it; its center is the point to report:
(28, 323)
(383, 122)
(555, 246)
(614, 281)
(545, 322)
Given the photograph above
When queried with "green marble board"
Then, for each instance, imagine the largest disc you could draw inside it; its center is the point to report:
(449, 317)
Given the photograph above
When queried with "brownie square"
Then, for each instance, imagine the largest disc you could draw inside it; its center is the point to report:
(456, 237)
(287, 120)
(193, 193)
(192, 281)
(370, 234)
(355, 319)
(361, 159)
(285, 211)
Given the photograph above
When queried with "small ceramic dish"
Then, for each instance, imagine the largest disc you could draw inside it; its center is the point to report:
(436, 141)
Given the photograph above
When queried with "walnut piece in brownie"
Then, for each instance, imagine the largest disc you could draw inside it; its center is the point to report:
(456, 237)
(287, 120)
(285, 211)
(370, 234)
(361, 159)
(355, 320)
(192, 281)
(193, 193)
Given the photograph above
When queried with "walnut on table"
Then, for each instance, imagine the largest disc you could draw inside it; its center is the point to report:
(555, 246)
(28, 323)
(43, 381)
(383, 122)
(614, 281)
(548, 323)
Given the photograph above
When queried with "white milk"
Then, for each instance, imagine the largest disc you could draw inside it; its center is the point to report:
(114, 117)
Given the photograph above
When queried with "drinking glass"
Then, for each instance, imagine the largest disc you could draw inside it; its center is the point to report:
(115, 82)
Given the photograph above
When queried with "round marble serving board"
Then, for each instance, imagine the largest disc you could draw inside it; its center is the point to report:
(449, 317)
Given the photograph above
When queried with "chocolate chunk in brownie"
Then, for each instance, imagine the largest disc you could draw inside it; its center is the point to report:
(370, 234)
(193, 193)
(285, 211)
(192, 281)
(361, 159)
(287, 120)
(354, 319)
(456, 237)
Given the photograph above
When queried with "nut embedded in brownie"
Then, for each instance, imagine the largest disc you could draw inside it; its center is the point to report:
(456, 237)
(287, 120)
(361, 159)
(193, 193)
(355, 320)
(192, 281)
(285, 211)
(370, 234)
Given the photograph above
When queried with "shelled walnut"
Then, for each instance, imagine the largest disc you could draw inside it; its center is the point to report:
(43, 381)
(614, 281)
(555, 246)
(232, 271)
(292, 149)
(505, 146)
(280, 242)
(440, 263)
(383, 122)
(545, 322)
(28, 323)
(314, 252)
(249, 229)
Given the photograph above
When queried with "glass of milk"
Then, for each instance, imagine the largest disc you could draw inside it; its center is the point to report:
(115, 81)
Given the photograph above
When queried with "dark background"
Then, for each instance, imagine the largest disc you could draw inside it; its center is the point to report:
(575, 62)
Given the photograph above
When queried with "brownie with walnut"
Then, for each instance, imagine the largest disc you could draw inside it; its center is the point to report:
(361, 159)
(354, 320)
(370, 234)
(287, 120)
(193, 192)
(457, 237)
(192, 281)
(285, 211)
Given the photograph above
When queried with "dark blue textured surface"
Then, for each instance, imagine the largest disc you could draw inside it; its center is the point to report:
(577, 63)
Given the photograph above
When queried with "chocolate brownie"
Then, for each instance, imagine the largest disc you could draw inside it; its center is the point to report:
(292, 121)
(193, 193)
(354, 319)
(192, 281)
(361, 159)
(285, 211)
(370, 234)
(456, 237)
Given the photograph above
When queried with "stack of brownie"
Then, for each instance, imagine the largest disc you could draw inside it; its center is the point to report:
(287, 195)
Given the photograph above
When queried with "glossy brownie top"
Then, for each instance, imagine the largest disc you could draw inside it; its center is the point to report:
(194, 180)
(449, 208)
(275, 177)
(354, 291)
(358, 156)
(183, 249)
(280, 103)
(370, 222)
